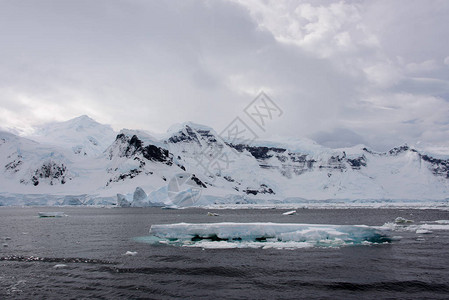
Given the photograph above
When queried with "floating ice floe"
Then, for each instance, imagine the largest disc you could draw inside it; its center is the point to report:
(211, 214)
(265, 235)
(442, 221)
(51, 214)
(289, 213)
(130, 253)
(401, 220)
(419, 229)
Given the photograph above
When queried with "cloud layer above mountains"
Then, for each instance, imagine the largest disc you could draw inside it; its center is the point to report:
(349, 72)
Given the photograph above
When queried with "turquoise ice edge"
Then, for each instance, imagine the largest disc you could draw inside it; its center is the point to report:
(264, 235)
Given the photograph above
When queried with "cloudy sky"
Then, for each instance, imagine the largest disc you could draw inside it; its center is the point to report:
(343, 73)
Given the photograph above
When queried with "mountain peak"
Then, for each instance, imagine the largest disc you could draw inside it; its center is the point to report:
(83, 135)
(175, 128)
(83, 120)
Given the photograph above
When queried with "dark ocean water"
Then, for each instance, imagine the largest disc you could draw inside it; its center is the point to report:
(91, 243)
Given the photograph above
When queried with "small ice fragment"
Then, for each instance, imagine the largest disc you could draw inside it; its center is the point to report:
(423, 231)
(130, 253)
(51, 214)
(442, 221)
(211, 214)
(289, 213)
(400, 220)
(59, 266)
(7, 238)
(5, 245)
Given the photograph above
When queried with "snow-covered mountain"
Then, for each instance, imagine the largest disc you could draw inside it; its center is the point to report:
(83, 135)
(83, 162)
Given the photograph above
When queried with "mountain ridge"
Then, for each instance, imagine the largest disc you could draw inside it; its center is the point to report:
(224, 172)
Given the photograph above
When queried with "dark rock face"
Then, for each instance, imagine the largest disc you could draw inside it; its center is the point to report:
(195, 136)
(257, 151)
(128, 175)
(14, 165)
(228, 178)
(50, 170)
(438, 167)
(207, 135)
(134, 146)
(263, 189)
(400, 149)
(335, 163)
(198, 181)
(357, 163)
(188, 136)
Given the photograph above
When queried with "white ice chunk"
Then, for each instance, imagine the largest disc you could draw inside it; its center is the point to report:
(59, 266)
(131, 253)
(289, 213)
(442, 221)
(434, 227)
(415, 228)
(401, 220)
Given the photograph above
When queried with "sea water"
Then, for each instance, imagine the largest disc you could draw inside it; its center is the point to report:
(105, 253)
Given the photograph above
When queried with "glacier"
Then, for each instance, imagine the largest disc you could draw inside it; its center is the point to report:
(266, 235)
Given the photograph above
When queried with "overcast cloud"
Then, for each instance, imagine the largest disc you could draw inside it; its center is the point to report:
(349, 72)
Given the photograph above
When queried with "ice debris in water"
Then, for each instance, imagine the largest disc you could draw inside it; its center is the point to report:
(418, 229)
(423, 231)
(211, 214)
(59, 266)
(442, 221)
(401, 220)
(130, 253)
(267, 235)
(289, 213)
(51, 214)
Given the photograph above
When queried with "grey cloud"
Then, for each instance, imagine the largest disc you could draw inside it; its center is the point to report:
(149, 64)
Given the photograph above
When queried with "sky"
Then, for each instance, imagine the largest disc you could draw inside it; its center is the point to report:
(341, 72)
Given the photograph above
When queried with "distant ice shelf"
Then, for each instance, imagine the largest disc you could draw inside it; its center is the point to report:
(265, 235)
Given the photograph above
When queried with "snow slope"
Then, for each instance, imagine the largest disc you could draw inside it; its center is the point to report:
(83, 162)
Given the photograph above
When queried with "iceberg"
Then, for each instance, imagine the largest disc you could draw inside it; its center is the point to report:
(122, 201)
(140, 198)
(266, 235)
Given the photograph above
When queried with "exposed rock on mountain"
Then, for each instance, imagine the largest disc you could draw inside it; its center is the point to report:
(121, 166)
